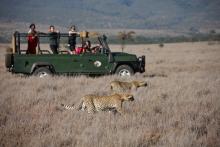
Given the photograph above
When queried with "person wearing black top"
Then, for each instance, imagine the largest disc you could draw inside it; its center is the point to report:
(72, 38)
(54, 39)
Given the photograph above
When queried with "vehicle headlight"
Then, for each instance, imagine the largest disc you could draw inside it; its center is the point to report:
(139, 59)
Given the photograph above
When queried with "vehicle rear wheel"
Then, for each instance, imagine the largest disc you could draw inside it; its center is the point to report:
(42, 72)
(124, 71)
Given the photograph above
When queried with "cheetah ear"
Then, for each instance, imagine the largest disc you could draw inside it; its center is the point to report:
(131, 95)
(127, 95)
(145, 83)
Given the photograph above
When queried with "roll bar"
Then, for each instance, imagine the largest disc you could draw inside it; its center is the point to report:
(16, 38)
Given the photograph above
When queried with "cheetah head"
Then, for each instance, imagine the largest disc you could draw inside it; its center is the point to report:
(140, 83)
(127, 97)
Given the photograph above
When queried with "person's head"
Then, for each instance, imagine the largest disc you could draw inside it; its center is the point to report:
(73, 28)
(88, 44)
(32, 26)
(52, 28)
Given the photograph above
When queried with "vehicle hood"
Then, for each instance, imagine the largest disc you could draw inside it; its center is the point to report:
(120, 56)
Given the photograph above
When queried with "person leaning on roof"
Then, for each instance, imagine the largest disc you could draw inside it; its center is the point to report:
(72, 38)
(54, 37)
(32, 39)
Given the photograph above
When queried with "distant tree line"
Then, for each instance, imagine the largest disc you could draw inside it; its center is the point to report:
(168, 39)
(138, 39)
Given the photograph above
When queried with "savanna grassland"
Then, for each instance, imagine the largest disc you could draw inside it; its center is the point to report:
(179, 107)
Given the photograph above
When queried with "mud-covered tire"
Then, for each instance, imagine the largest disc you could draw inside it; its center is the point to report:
(42, 72)
(124, 71)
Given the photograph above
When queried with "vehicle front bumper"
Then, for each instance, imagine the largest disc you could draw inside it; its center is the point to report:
(141, 62)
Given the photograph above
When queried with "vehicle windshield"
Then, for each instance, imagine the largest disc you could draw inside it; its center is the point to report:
(104, 43)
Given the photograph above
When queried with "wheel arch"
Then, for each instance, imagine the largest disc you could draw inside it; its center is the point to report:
(42, 64)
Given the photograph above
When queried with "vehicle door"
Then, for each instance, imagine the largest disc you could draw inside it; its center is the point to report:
(95, 63)
(68, 63)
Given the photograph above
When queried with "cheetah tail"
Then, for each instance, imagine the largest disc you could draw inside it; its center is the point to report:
(67, 107)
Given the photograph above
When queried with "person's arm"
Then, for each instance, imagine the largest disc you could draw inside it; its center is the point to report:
(74, 32)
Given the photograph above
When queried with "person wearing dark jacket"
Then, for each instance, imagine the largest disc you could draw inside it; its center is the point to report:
(54, 37)
(72, 38)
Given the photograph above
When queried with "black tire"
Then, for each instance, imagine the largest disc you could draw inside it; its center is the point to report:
(124, 70)
(42, 72)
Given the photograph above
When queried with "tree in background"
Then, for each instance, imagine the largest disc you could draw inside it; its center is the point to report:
(211, 39)
(125, 36)
(212, 32)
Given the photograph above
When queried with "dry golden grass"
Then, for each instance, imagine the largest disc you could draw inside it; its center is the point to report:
(180, 106)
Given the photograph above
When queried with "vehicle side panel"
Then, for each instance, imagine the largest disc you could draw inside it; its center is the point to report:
(60, 63)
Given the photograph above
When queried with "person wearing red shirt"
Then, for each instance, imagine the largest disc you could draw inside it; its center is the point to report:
(32, 40)
(86, 47)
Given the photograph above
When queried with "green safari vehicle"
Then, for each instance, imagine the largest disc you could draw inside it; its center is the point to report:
(65, 63)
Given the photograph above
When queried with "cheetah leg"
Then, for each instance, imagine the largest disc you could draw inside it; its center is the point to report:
(119, 109)
(83, 107)
(90, 106)
(80, 107)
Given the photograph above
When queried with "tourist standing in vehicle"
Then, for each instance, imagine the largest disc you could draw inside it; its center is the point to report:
(54, 37)
(72, 38)
(32, 40)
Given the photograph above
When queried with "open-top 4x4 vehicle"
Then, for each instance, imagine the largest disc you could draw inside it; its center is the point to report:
(45, 63)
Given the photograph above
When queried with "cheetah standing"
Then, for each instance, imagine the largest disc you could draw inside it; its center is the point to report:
(94, 103)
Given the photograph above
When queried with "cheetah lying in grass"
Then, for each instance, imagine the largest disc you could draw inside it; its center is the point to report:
(123, 86)
(94, 103)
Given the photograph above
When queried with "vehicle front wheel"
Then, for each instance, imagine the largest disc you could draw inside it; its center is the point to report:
(124, 71)
(42, 72)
